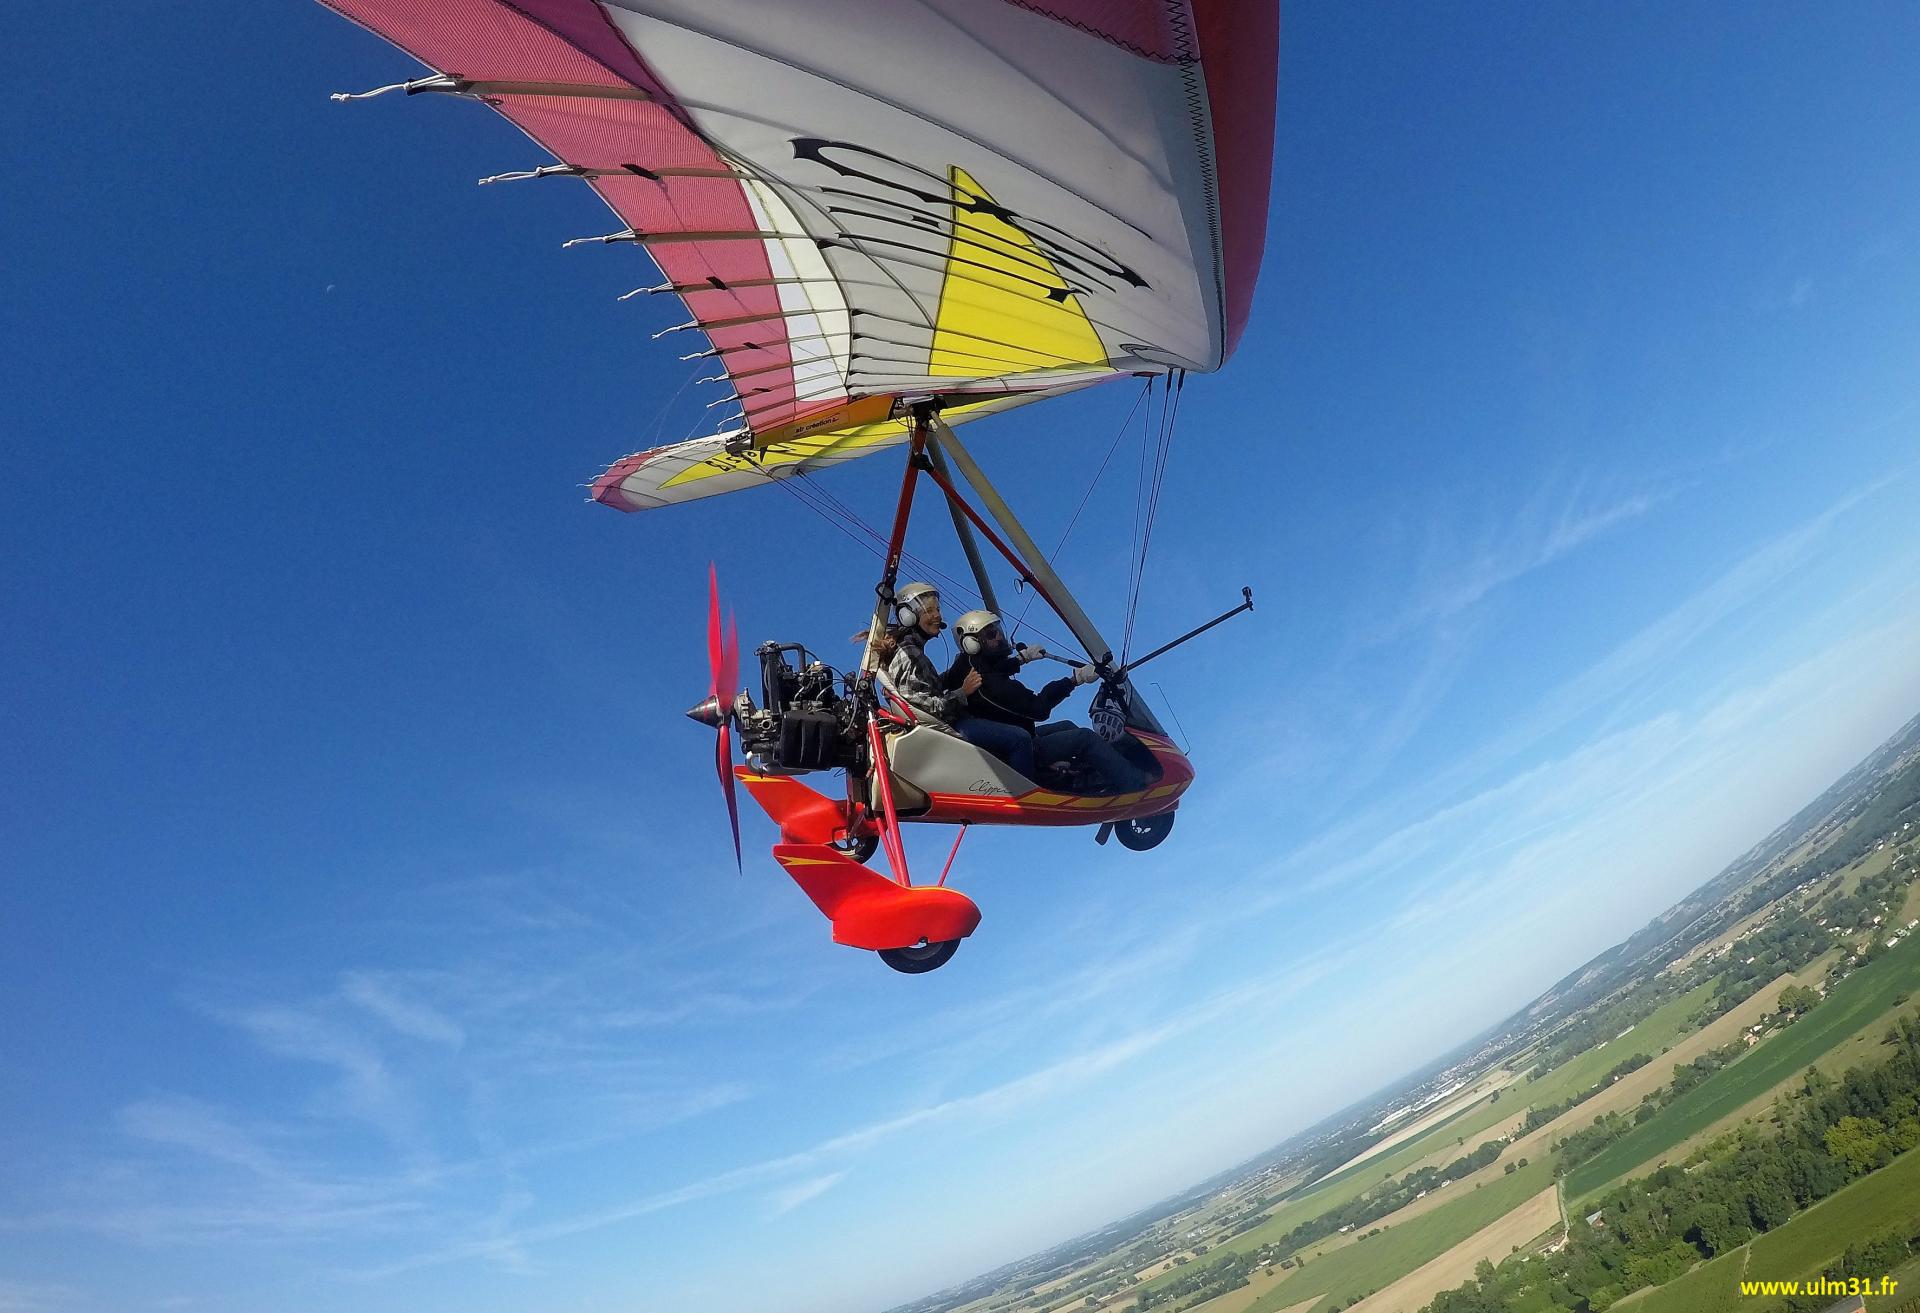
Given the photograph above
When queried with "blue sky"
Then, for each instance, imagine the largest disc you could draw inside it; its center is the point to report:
(372, 940)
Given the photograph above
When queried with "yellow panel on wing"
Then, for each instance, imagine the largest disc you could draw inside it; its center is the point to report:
(792, 453)
(847, 428)
(813, 447)
(996, 315)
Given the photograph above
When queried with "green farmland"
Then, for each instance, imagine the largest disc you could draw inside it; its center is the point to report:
(1658, 1031)
(1851, 1004)
(1369, 1264)
(1355, 1181)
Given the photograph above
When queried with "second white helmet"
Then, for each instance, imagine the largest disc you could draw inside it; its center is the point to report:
(974, 631)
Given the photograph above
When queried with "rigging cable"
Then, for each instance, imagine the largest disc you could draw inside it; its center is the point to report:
(842, 517)
(1112, 447)
(923, 566)
(1170, 415)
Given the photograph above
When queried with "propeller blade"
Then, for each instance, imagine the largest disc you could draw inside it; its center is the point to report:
(723, 759)
(715, 649)
(730, 663)
(723, 666)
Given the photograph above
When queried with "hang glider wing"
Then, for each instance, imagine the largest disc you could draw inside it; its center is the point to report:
(864, 203)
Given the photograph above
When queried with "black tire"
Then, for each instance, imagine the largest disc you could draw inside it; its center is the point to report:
(1143, 832)
(862, 848)
(920, 958)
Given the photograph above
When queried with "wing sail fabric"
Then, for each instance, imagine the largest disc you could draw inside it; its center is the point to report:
(862, 201)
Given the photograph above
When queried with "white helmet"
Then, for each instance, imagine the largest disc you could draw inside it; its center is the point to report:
(907, 602)
(972, 631)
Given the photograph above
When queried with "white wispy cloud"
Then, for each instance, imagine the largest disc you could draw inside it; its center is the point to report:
(199, 1128)
(1619, 682)
(790, 1198)
(998, 1101)
(378, 994)
(365, 1087)
(1458, 574)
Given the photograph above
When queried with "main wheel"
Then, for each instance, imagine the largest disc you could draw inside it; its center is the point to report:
(1143, 832)
(921, 957)
(861, 848)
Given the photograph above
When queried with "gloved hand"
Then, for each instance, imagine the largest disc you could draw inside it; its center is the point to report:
(1085, 674)
(1035, 653)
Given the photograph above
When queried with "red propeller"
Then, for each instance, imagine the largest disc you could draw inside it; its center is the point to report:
(723, 660)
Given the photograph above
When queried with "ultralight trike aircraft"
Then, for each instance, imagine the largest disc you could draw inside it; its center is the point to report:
(888, 221)
(901, 769)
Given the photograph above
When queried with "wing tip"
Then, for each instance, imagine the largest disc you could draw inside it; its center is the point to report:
(607, 489)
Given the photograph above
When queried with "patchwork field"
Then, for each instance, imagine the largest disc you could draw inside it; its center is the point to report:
(1853, 1003)
(1258, 1284)
(1662, 1028)
(1467, 1128)
(1447, 1140)
(1862, 1048)
(1636, 1085)
(1353, 1182)
(1492, 1243)
(1374, 1263)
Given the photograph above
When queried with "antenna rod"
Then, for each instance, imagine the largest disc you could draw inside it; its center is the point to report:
(1137, 662)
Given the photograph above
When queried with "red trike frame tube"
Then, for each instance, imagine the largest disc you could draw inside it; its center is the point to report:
(889, 818)
(897, 540)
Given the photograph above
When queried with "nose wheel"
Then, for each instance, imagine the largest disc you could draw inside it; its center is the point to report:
(922, 957)
(860, 847)
(1143, 832)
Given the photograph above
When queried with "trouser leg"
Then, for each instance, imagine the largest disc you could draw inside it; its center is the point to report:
(1010, 743)
(1062, 742)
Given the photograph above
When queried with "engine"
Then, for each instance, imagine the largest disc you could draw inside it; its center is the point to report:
(803, 723)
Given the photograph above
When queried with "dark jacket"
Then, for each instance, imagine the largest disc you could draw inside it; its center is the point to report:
(1001, 696)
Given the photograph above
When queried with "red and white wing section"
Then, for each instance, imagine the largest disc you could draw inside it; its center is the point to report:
(864, 202)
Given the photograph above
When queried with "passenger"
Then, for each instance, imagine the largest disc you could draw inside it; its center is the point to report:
(912, 675)
(986, 655)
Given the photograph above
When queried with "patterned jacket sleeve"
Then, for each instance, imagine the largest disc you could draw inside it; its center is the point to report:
(912, 676)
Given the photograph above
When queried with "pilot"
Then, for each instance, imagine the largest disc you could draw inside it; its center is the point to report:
(987, 656)
(912, 675)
